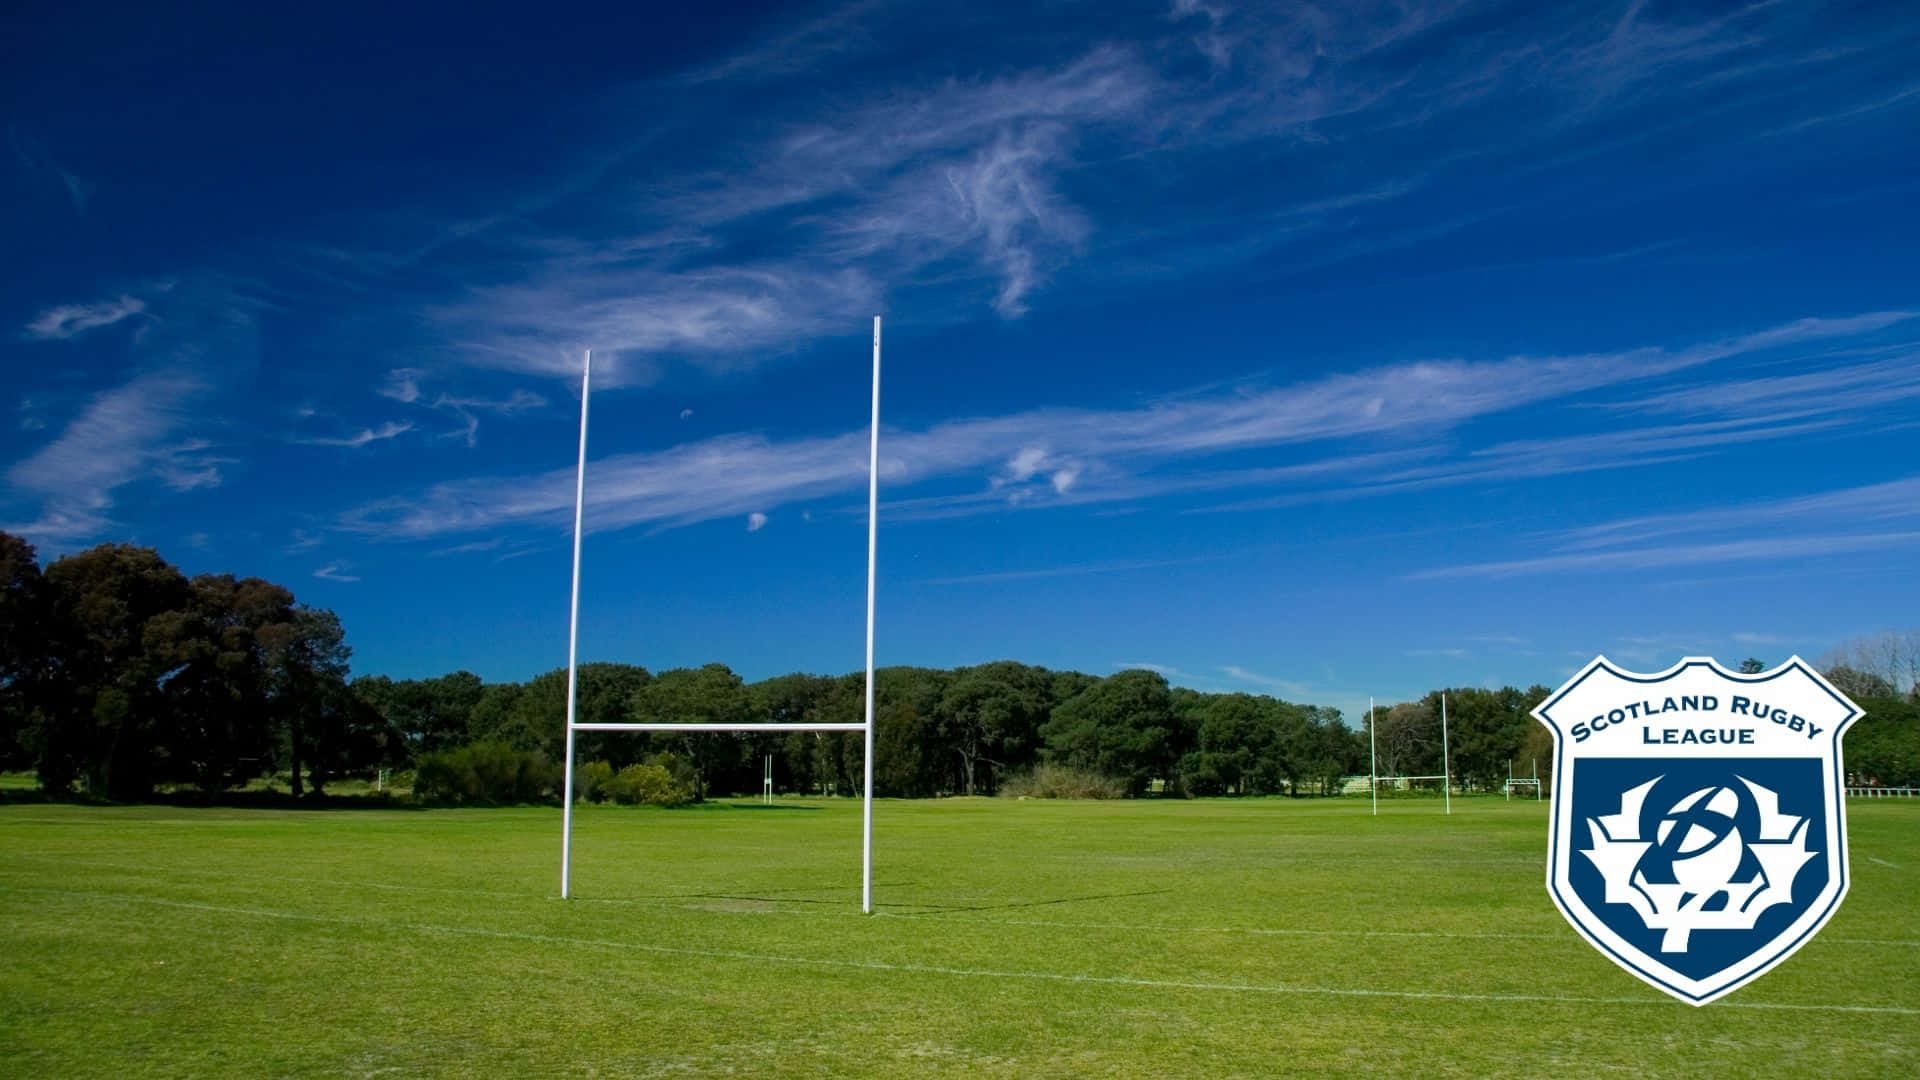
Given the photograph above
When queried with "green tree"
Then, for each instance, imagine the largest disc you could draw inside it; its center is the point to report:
(1121, 726)
(220, 730)
(990, 719)
(104, 711)
(23, 648)
(307, 660)
(711, 694)
(1883, 746)
(1234, 734)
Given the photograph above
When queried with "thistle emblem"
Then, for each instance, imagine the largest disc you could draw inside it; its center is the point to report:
(1699, 854)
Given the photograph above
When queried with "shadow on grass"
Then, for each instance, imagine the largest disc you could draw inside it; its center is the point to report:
(283, 800)
(947, 909)
(231, 800)
(712, 806)
(773, 896)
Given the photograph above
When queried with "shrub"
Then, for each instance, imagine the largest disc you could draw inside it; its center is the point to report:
(1063, 782)
(648, 785)
(485, 772)
(593, 780)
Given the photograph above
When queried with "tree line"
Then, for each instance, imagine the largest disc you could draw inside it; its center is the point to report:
(121, 676)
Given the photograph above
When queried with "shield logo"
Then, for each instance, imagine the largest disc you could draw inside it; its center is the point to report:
(1699, 829)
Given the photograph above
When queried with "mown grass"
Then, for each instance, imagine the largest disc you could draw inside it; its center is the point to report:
(1134, 938)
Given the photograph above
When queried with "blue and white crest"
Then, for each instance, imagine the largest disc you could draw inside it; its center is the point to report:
(1699, 819)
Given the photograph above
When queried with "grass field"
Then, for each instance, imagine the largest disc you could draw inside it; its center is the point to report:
(1203, 938)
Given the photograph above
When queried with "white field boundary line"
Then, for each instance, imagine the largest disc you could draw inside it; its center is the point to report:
(704, 903)
(1883, 862)
(955, 972)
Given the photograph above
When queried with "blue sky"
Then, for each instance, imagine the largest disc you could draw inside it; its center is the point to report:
(1321, 351)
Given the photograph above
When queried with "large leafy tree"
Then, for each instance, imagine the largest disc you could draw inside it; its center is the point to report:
(105, 711)
(218, 688)
(429, 714)
(23, 647)
(307, 659)
(1234, 734)
(990, 717)
(1122, 726)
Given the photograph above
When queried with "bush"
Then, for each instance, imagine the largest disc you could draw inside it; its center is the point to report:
(593, 780)
(1063, 782)
(486, 772)
(648, 785)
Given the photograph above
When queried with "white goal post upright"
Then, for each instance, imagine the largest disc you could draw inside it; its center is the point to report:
(1446, 759)
(1373, 760)
(873, 526)
(573, 630)
(573, 636)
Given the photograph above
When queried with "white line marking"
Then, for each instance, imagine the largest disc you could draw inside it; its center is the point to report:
(1883, 862)
(958, 972)
(799, 907)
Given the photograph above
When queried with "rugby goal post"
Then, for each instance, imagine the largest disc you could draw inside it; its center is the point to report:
(1523, 781)
(573, 642)
(1373, 762)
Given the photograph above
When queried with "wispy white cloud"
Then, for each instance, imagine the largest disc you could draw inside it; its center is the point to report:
(794, 49)
(1077, 570)
(1721, 551)
(335, 572)
(72, 320)
(756, 521)
(1291, 687)
(34, 158)
(471, 547)
(797, 210)
(402, 385)
(121, 435)
(1062, 456)
(468, 409)
(626, 315)
(389, 430)
(1868, 504)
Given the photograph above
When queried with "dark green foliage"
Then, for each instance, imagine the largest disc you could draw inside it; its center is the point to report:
(428, 714)
(590, 781)
(104, 719)
(24, 652)
(649, 785)
(1882, 748)
(711, 694)
(989, 718)
(485, 773)
(1121, 726)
